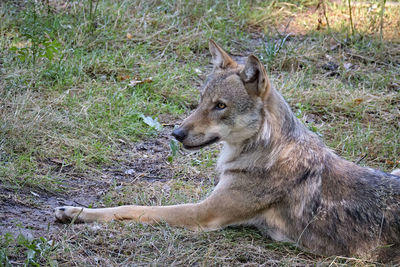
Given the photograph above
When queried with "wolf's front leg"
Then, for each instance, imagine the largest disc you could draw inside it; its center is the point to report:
(186, 215)
(218, 210)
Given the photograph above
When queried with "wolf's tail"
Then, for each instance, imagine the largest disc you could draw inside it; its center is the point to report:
(396, 172)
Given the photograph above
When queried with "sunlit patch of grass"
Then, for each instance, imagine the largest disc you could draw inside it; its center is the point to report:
(357, 122)
(303, 17)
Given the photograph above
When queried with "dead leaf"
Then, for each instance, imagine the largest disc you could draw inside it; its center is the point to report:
(135, 82)
(58, 161)
(153, 123)
(129, 172)
(358, 101)
(389, 162)
(328, 57)
(334, 47)
(35, 194)
(347, 66)
(123, 77)
(23, 44)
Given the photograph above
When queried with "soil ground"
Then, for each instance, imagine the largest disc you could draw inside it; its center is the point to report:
(31, 213)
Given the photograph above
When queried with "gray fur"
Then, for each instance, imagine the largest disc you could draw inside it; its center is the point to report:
(303, 191)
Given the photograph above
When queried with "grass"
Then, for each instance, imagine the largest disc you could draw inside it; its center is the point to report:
(76, 82)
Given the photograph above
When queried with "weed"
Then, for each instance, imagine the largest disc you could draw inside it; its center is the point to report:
(5, 242)
(92, 14)
(174, 147)
(271, 49)
(37, 29)
(37, 251)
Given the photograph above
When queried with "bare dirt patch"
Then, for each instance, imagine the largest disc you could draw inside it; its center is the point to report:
(31, 213)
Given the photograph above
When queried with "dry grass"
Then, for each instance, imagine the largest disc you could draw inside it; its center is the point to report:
(71, 127)
(303, 17)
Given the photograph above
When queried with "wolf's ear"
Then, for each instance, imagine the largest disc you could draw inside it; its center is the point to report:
(220, 58)
(255, 77)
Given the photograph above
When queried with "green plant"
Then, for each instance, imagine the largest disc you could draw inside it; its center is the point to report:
(37, 36)
(271, 49)
(174, 147)
(92, 15)
(5, 242)
(37, 251)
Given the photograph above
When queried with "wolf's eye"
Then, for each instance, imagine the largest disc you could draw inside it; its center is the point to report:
(220, 106)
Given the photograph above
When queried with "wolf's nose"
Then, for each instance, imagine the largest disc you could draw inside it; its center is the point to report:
(179, 134)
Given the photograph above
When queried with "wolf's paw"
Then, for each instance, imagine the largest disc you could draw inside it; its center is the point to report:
(67, 214)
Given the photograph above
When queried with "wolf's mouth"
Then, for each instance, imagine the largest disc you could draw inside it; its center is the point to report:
(212, 141)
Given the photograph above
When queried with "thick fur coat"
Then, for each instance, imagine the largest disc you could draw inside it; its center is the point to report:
(274, 174)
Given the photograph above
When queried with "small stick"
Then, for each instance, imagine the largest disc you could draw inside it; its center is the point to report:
(381, 15)
(363, 157)
(351, 18)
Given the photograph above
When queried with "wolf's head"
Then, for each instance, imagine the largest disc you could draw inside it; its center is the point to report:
(231, 105)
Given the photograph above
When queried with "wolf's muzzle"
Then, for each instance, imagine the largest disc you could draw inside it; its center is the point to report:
(179, 134)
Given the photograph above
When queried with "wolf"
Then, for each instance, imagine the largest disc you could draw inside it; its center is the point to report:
(274, 174)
